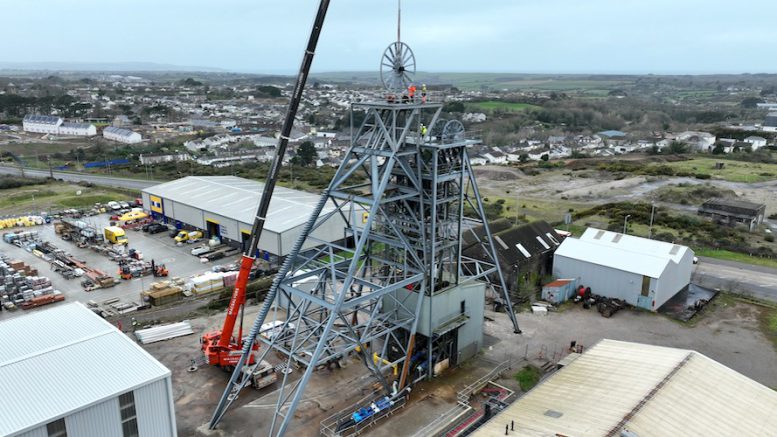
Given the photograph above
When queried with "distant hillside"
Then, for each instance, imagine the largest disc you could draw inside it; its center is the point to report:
(101, 66)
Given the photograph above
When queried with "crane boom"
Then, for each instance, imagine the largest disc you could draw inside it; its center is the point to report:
(218, 345)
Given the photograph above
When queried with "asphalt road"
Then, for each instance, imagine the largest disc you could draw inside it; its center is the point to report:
(107, 181)
(757, 281)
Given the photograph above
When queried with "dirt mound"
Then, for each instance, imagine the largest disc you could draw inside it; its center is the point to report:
(498, 173)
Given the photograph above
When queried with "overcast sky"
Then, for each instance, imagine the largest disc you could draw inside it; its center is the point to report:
(534, 36)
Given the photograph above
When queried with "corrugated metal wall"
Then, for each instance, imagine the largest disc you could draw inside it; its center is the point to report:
(146, 201)
(152, 404)
(675, 277)
(332, 230)
(604, 281)
(102, 419)
(186, 214)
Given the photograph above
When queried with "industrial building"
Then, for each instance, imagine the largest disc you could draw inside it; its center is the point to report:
(67, 372)
(524, 252)
(225, 206)
(734, 212)
(770, 122)
(121, 135)
(620, 388)
(645, 273)
(46, 124)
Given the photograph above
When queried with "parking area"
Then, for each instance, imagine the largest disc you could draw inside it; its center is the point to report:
(158, 247)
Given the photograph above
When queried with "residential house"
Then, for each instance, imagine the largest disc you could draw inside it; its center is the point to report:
(756, 142)
(697, 141)
(478, 160)
(158, 158)
(495, 157)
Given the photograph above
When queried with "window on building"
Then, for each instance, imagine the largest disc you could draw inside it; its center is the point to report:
(129, 419)
(57, 428)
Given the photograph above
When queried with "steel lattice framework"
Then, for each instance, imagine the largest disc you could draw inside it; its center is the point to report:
(407, 197)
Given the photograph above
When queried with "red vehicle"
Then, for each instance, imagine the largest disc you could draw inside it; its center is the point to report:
(222, 348)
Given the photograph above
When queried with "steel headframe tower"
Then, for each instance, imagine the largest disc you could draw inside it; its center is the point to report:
(406, 198)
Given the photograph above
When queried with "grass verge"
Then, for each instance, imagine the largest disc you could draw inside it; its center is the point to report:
(768, 323)
(738, 257)
(492, 105)
(528, 377)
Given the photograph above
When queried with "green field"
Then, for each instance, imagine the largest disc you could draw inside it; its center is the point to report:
(530, 209)
(54, 196)
(492, 105)
(734, 171)
(738, 257)
(29, 150)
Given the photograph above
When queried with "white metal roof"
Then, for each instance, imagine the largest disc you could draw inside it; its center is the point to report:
(238, 198)
(60, 360)
(674, 252)
(665, 392)
(119, 131)
(613, 257)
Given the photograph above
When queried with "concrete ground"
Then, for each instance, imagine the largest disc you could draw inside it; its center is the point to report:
(726, 332)
(158, 247)
(753, 280)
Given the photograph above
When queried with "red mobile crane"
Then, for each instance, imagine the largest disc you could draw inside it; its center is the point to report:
(220, 347)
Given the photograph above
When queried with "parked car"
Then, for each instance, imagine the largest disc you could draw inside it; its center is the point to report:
(114, 205)
(201, 250)
(155, 228)
(124, 205)
(173, 233)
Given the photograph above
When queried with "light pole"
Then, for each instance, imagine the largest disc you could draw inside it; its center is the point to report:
(652, 212)
(625, 222)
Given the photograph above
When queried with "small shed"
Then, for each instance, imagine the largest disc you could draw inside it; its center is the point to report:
(559, 291)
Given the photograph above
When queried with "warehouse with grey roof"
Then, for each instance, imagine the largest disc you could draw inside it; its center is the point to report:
(67, 372)
(224, 207)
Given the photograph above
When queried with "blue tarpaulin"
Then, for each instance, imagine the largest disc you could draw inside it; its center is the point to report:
(112, 162)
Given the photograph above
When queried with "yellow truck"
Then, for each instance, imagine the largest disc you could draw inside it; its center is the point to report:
(188, 236)
(115, 235)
